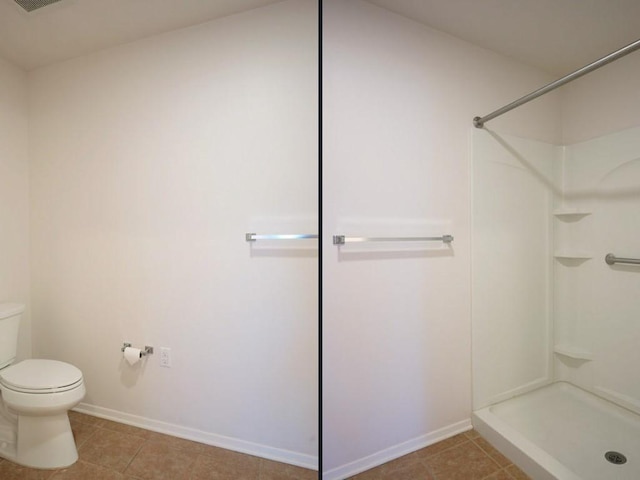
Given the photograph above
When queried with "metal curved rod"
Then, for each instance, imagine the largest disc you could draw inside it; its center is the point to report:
(479, 122)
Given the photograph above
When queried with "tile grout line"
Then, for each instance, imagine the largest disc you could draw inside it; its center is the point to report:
(99, 427)
(484, 452)
(426, 459)
(467, 439)
(134, 455)
(85, 440)
(491, 457)
(506, 472)
(502, 468)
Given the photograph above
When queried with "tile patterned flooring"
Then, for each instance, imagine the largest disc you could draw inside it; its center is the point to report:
(114, 451)
(466, 456)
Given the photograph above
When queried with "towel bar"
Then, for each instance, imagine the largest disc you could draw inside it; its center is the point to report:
(342, 239)
(252, 237)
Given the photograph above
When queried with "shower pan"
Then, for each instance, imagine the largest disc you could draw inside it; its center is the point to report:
(563, 432)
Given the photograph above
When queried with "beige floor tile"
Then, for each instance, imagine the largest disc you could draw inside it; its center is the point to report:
(82, 431)
(499, 475)
(516, 473)
(400, 462)
(463, 462)
(11, 471)
(123, 428)
(178, 443)
(110, 449)
(158, 461)
(270, 470)
(411, 471)
(471, 434)
(492, 452)
(220, 464)
(439, 447)
(85, 471)
(371, 474)
(408, 467)
(83, 418)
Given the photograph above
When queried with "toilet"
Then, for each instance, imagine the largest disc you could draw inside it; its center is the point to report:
(36, 396)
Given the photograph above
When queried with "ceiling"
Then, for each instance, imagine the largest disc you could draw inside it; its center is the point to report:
(70, 28)
(558, 36)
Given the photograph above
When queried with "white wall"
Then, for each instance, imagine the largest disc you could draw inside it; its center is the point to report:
(14, 197)
(603, 102)
(149, 162)
(398, 99)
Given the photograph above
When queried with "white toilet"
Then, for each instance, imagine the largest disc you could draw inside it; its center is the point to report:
(36, 396)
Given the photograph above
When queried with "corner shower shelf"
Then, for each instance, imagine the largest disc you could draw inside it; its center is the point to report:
(571, 212)
(573, 352)
(573, 255)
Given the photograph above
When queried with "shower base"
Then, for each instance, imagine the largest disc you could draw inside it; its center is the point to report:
(563, 432)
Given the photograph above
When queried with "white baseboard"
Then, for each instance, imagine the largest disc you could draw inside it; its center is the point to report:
(229, 443)
(396, 451)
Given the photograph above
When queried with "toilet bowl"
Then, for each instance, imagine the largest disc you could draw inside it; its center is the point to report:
(36, 396)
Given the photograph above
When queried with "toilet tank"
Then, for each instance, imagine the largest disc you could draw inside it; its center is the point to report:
(10, 314)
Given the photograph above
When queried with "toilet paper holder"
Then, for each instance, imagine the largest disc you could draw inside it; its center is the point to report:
(147, 350)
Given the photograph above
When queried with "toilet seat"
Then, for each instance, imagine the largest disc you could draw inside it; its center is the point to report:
(40, 376)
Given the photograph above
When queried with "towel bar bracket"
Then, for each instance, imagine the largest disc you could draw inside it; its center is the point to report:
(611, 259)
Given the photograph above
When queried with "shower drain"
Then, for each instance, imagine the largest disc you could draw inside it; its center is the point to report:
(615, 457)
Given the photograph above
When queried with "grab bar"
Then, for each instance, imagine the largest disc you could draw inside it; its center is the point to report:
(342, 239)
(611, 259)
(252, 237)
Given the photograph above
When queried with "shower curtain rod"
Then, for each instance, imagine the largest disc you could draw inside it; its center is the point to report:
(479, 122)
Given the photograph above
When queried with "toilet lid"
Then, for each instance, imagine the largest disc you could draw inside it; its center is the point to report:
(38, 375)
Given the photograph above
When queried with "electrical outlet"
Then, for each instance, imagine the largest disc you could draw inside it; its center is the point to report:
(165, 357)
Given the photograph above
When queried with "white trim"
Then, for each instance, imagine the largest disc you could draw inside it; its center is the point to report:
(396, 451)
(229, 443)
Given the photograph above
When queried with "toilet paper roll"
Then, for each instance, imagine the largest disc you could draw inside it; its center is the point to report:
(132, 355)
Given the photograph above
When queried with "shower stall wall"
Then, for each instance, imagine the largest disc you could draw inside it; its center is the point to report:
(513, 193)
(554, 333)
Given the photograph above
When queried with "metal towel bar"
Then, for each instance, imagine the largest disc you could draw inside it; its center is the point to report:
(342, 239)
(252, 237)
(611, 259)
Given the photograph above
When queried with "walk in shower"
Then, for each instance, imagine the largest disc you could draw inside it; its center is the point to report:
(556, 384)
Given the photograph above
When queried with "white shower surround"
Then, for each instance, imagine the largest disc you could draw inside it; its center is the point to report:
(590, 191)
